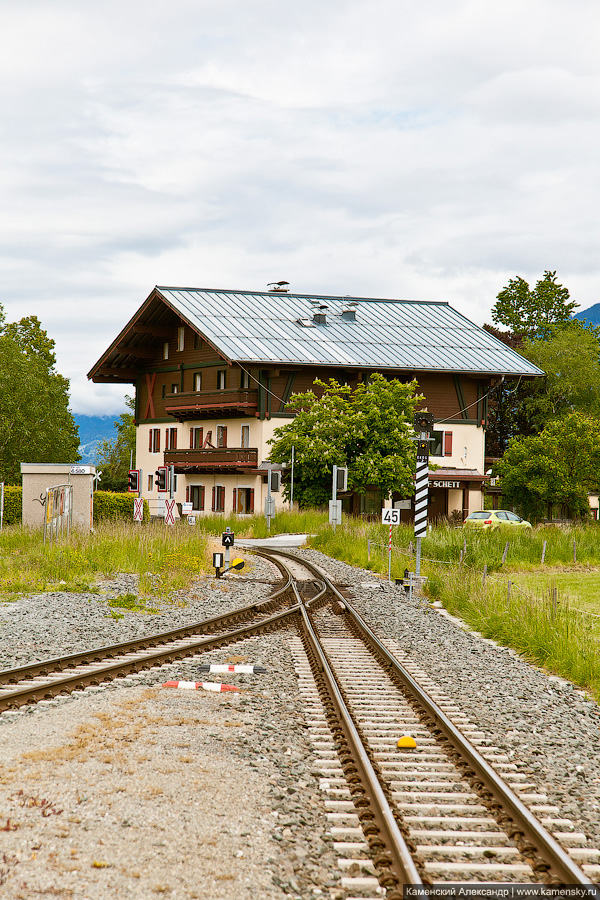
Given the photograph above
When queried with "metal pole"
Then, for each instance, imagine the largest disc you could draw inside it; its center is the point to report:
(268, 496)
(418, 558)
(292, 481)
(334, 493)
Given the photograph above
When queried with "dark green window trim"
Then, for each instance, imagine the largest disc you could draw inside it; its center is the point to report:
(287, 392)
(460, 396)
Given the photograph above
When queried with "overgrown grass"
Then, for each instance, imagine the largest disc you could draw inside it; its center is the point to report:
(560, 637)
(553, 635)
(166, 561)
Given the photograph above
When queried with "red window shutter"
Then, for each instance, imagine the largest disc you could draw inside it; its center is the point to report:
(150, 441)
(225, 437)
(157, 440)
(213, 499)
(200, 437)
(252, 500)
(166, 438)
(235, 499)
(174, 438)
(202, 497)
(447, 443)
(187, 494)
(191, 438)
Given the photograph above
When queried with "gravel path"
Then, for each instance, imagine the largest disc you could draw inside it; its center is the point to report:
(135, 790)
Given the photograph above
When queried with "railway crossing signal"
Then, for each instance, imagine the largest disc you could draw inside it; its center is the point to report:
(161, 478)
(133, 481)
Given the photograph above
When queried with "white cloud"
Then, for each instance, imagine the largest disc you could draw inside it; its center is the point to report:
(373, 147)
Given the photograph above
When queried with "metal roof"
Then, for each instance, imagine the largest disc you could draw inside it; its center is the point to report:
(255, 327)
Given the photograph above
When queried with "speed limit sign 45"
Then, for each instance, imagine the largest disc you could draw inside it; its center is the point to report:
(390, 516)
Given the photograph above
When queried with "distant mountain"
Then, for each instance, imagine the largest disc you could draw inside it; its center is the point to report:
(92, 431)
(590, 315)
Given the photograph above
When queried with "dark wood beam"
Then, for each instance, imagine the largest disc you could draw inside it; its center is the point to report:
(116, 372)
(140, 352)
(154, 330)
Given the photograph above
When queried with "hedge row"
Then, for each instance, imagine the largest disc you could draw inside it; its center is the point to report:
(13, 504)
(107, 506)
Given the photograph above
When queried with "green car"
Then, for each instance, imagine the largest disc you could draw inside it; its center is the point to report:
(491, 519)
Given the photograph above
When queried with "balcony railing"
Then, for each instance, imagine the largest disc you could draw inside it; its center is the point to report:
(223, 459)
(198, 404)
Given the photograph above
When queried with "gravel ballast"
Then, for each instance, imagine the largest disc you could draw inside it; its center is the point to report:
(189, 794)
(546, 725)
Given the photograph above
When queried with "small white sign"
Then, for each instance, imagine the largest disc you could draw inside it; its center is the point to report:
(390, 516)
(335, 512)
(402, 504)
(186, 509)
(81, 470)
(191, 520)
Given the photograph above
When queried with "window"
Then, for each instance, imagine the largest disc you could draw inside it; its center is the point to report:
(435, 446)
(218, 502)
(164, 391)
(221, 379)
(245, 436)
(197, 496)
(181, 339)
(154, 440)
(150, 484)
(166, 350)
(244, 380)
(174, 388)
(196, 438)
(170, 439)
(197, 341)
(243, 500)
(221, 436)
(441, 445)
(197, 381)
(511, 517)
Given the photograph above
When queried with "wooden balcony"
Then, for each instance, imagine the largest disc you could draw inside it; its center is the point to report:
(200, 404)
(210, 461)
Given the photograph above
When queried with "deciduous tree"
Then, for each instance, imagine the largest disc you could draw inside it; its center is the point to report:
(368, 429)
(559, 466)
(35, 422)
(532, 312)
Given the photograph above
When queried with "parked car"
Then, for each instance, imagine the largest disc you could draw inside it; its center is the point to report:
(492, 519)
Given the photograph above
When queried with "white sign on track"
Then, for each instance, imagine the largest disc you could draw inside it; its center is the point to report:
(390, 516)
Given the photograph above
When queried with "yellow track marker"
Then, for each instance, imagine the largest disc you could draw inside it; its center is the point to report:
(406, 742)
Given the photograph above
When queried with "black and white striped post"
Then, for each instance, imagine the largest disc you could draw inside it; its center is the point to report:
(424, 427)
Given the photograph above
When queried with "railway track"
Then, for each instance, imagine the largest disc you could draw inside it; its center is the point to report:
(451, 809)
(454, 808)
(46, 679)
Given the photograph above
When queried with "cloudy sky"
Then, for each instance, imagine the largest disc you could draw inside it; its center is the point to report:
(386, 148)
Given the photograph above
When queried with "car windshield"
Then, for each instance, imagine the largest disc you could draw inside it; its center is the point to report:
(479, 515)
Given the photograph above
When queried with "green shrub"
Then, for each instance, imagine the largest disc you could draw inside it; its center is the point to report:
(13, 504)
(108, 507)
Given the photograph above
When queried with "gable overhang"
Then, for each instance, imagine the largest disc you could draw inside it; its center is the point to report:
(140, 340)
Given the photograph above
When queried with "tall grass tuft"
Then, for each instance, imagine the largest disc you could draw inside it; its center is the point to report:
(550, 634)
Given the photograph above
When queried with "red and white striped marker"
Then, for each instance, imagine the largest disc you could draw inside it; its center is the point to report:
(230, 667)
(200, 685)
